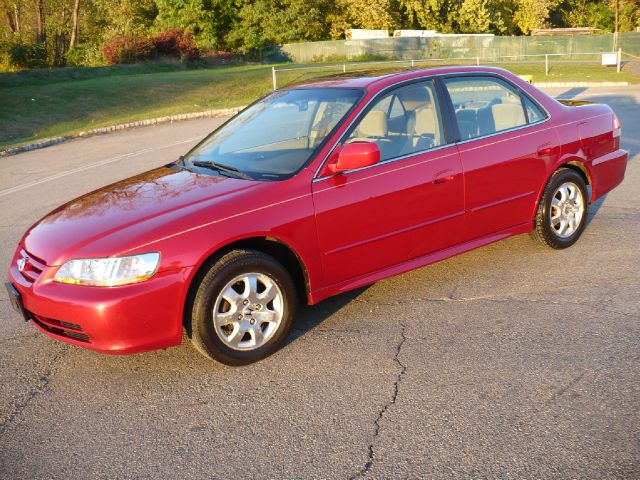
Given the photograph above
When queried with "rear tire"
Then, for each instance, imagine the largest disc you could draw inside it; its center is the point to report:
(243, 308)
(563, 210)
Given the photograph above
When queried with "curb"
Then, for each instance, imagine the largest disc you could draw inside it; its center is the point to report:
(220, 112)
(579, 84)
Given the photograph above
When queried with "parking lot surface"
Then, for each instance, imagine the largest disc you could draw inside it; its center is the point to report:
(509, 361)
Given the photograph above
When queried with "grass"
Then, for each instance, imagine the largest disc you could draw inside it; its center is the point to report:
(39, 104)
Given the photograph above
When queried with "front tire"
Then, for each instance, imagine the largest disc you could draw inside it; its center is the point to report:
(563, 210)
(243, 308)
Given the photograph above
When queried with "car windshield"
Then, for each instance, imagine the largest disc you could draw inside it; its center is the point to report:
(275, 137)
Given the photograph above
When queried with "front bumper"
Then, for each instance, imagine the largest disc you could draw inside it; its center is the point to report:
(118, 320)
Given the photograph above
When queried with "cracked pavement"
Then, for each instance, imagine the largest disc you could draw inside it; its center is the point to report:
(507, 361)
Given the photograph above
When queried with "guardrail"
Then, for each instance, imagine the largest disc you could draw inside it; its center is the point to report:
(413, 62)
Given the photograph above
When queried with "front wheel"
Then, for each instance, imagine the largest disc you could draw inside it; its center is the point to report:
(243, 308)
(562, 212)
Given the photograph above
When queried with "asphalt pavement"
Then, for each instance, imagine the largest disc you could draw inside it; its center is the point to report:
(509, 361)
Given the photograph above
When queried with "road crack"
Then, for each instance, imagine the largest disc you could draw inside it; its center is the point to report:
(41, 387)
(573, 382)
(371, 454)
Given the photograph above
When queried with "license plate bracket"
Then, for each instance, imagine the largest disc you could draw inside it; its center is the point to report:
(16, 301)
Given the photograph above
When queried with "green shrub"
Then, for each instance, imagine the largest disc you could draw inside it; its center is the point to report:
(86, 55)
(5, 55)
(28, 55)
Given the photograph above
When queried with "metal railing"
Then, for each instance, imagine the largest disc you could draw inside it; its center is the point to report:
(346, 66)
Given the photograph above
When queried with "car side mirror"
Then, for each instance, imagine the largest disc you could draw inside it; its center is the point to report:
(356, 155)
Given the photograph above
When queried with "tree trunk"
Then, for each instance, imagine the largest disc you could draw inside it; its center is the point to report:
(41, 34)
(9, 16)
(75, 15)
(16, 11)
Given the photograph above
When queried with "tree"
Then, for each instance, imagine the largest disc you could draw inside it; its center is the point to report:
(75, 15)
(629, 15)
(273, 22)
(479, 16)
(41, 33)
(208, 20)
(532, 14)
(10, 13)
(428, 14)
(348, 14)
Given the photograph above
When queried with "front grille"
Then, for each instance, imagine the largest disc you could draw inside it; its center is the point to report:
(33, 266)
(62, 329)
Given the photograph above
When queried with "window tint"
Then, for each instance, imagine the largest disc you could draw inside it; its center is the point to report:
(533, 111)
(276, 136)
(484, 106)
(397, 110)
(404, 121)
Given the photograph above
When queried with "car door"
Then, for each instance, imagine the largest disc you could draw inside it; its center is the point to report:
(505, 146)
(409, 204)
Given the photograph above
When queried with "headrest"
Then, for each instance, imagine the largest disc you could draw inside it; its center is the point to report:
(507, 115)
(426, 122)
(374, 124)
(511, 99)
(414, 97)
(466, 115)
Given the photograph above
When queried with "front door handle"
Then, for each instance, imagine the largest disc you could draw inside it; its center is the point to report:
(443, 176)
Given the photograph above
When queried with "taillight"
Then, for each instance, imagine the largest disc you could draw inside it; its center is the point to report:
(617, 130)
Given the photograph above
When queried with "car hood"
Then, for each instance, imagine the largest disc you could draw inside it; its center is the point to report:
(128, 204)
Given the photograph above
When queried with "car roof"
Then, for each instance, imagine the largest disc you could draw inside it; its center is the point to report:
(381, 78)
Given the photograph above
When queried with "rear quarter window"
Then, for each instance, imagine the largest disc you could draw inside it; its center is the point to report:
(534, 113)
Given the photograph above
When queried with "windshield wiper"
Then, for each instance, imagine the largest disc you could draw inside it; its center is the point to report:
(220, 167)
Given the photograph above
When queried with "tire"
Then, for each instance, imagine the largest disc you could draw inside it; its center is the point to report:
(552, 212)
(256, 296)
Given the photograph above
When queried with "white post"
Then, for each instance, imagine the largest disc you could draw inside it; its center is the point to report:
(273, 75)
(546, 64)
(478, 61)
(413, 63)
(344, 68)
(619, 59)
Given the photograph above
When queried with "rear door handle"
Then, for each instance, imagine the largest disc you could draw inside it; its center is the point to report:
(443, 176)
(545, 149)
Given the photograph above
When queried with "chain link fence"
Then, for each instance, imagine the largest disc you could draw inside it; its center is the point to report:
(450, 48)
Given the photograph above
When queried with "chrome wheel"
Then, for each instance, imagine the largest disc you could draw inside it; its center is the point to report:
(567, 209)
(248, 311)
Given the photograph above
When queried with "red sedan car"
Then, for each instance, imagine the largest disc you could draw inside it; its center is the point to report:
(312, 191)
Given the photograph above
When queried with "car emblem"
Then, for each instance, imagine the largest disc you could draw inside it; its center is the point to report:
(21, 263)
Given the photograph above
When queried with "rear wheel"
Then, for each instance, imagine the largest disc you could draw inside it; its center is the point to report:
(243, 308)
(562, 212)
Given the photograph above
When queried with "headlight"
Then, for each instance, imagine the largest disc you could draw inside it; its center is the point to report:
(108, 272)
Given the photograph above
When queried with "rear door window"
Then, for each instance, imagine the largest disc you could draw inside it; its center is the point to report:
(484, 105)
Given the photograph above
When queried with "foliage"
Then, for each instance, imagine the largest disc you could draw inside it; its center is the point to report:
(269, 22)
(349, 14)
(28, 55)
(86, 54)
(176, 42)
(128, 49)
(532, 14)
(248, 25)
(134, 48)
(429, 14)
(209, 21)
(5, 57)
(478, 16)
